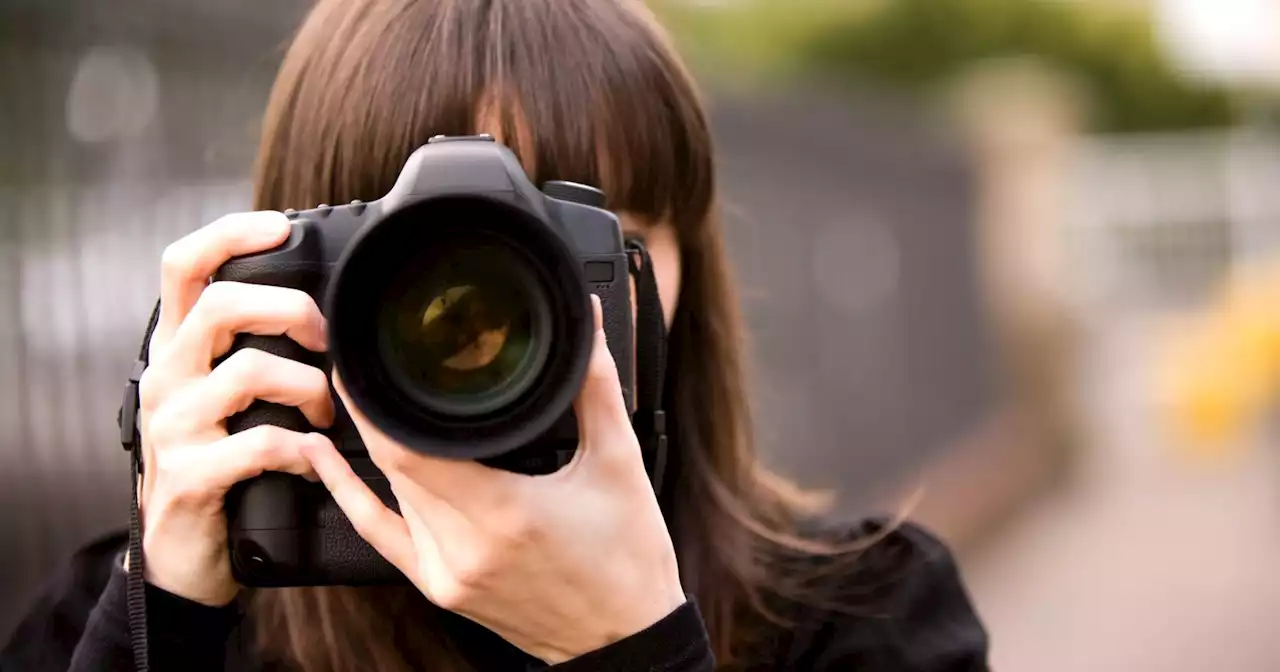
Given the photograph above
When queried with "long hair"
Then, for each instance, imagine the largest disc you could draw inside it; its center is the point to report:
(582, 90)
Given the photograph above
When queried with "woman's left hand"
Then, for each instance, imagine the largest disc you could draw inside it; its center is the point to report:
(559, 565)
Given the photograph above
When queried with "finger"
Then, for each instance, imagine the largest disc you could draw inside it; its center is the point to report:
(603, 421)
(217, 466)
(226, 309)
(249, 375)
(458, 485)
(187, 264)
(372, 520)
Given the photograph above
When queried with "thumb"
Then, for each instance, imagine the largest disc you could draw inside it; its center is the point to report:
(603, 422)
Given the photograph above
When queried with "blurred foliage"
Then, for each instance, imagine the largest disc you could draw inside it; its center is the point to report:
(918, 46)
(747, 39)
(921, 42)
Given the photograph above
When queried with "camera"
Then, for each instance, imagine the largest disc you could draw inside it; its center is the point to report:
(459, 319)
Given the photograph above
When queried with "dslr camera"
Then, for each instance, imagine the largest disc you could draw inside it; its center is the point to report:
(460, 322)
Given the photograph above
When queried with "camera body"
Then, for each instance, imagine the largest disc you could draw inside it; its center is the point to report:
(457, 199)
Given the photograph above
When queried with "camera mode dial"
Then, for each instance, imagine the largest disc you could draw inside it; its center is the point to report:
(574, 193)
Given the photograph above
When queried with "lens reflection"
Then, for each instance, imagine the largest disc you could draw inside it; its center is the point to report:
(466, 334)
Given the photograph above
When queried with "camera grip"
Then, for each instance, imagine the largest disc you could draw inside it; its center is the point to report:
(267, 413)
(296, 264)
(284, 530)
(615, 303)
(266, 514)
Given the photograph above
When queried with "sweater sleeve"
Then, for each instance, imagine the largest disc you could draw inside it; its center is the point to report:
(914, 613)
(901, 606)
(81, 622)
(677, 643)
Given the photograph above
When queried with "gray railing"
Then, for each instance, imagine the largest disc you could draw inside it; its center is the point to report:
(80, 276)
(1159, 220)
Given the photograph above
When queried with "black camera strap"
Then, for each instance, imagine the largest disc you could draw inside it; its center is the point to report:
(131, 439)
(650, 420)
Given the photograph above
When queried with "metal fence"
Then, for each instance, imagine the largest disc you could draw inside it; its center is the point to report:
(1159, 220)
(122, 128)
(83, 270)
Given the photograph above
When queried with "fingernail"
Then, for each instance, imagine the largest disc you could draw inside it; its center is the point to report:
(274, 227)
(324, 332)
(597, 313)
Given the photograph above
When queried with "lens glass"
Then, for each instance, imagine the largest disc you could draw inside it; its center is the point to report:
(465, 329)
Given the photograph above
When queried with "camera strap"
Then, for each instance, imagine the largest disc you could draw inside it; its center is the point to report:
(650, 420)
(131, 440)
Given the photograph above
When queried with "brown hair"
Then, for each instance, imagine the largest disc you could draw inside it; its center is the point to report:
(584, 90)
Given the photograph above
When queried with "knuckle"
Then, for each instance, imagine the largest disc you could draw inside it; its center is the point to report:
(268, 441)
(517, 529)
(298, 304)
(151, 388)
(448, 594)
(158, 353)
(363, 516)
(465, 579)
(474, 573)
(316, 384)
(164, 427)
(173, 477)
(156, 429)
(401, 459)
(245, 364)
(360, 516)
(317, 379)
(602, 370)
(298, 307)
(217, 299)
(177, 261)
(182, 495)
(166, 466)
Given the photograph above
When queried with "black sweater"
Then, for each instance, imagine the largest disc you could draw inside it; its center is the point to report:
(916, 617)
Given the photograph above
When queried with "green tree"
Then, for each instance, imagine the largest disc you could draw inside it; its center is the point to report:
(916, 45)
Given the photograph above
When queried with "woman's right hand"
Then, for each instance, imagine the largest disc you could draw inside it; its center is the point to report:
(189, 459)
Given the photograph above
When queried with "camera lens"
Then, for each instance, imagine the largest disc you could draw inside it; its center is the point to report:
(460, 325)
(468, 333)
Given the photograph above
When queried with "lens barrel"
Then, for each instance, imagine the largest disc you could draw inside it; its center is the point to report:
(456, 325)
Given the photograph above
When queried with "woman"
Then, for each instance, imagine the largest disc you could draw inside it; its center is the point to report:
(579, 570)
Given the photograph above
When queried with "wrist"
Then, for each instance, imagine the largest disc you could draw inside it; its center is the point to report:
(646, 612)
(196, 580)
(203, 592)
(180, 630)
(676, 641)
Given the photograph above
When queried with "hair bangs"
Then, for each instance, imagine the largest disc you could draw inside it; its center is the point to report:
(620, 119)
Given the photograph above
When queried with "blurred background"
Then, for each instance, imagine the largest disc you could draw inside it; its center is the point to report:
(1037, 242)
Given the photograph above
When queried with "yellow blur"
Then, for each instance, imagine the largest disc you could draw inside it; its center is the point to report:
(1222, 375)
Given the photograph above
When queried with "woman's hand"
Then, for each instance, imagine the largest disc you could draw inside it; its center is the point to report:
(558, 565)
(189, 460)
